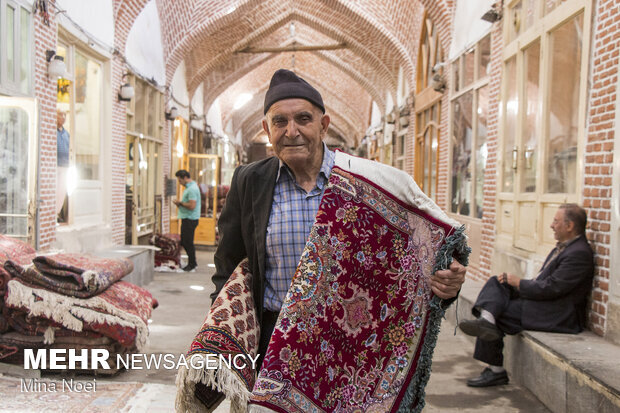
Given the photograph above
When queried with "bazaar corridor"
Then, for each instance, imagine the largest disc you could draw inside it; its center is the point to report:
(360, 164)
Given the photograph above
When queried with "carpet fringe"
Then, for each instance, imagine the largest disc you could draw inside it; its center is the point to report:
(222, 380)
(91, 280)
(70, 311)
(455, 246)
(49, 336)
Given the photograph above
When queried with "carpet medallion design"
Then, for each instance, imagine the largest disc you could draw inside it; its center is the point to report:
(353, 333)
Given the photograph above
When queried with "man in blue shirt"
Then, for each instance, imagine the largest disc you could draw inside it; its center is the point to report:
(62, 163)
(62, 140)
(189, 214)
(271, 205)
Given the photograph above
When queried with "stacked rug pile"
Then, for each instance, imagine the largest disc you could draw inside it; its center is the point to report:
(169, 254)
(69, 301)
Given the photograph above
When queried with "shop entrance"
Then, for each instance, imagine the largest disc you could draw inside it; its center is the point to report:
(18, 168)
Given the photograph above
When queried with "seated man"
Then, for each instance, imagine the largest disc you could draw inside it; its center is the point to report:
(555, 301)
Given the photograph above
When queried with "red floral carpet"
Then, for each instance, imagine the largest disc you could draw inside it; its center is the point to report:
(14, 249)
(358, 327)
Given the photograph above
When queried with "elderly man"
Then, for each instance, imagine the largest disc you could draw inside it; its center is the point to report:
(554, 301)
(272, 204)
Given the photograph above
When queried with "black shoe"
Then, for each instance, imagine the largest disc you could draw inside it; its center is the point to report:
(488, 378)
(189, 267)
(481, 328)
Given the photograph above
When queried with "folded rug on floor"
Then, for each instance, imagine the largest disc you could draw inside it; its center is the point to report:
(120, 312)
(359, 324)
(17, 251)
(28, 325)
(230, 330)
(21, 322)
(76, 275)
(170, 246)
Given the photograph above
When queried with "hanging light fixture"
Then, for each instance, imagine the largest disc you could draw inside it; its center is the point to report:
(126, 91)
(56, 67)
(172, 113)
(494, 13)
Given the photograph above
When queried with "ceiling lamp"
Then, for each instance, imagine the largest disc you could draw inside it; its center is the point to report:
(126, 92)
(172, 113)
(56, 67)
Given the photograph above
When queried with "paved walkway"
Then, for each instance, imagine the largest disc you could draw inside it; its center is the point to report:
(453, 365)
(183, 302)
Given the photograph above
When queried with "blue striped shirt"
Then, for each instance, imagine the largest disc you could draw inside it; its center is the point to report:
(292, 215)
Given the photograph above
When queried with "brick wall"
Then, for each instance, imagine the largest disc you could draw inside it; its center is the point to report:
(492, 166)
(45, 92)
(599, 148)
(125, 15)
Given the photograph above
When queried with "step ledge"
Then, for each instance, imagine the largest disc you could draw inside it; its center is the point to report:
(142, 258)
(590, 358)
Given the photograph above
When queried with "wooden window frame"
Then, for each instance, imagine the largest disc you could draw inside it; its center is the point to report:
(12, 87)
(457, 91)
(429, 56)
(542, 204)
(147, 187)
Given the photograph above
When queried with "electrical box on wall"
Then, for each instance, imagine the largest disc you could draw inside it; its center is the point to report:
(171, 187)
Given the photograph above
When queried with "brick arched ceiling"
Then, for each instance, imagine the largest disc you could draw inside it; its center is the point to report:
(380, 36)
(125, 14)
(351, 103)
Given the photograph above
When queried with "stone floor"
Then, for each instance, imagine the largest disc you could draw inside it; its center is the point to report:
(183, 302)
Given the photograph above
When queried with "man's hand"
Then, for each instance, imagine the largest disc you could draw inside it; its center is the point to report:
(176, 202)
(447, 283)
(509, 279)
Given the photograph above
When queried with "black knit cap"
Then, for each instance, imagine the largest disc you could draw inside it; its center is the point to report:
(287, 85)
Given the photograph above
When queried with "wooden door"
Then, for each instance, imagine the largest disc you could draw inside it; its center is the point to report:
(205, 171)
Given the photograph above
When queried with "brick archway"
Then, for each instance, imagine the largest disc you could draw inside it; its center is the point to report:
(372, 60)
(381, 36)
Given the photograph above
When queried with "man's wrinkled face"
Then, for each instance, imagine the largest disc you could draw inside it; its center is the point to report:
(296, 129)
(562, 228)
